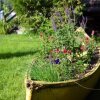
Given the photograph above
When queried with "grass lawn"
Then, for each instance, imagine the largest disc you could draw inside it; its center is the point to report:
(16, 53)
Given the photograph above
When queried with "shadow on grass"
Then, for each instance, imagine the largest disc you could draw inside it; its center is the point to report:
(17, 54)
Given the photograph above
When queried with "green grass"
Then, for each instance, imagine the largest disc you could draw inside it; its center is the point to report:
(16, 53)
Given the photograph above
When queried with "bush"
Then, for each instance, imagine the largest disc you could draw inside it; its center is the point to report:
(36, 14)
(29, 7)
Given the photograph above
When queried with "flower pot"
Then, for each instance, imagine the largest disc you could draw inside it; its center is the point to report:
(76, 89)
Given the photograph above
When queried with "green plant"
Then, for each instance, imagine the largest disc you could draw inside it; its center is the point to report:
(2, 27)
(7, 27)
(69, 52)
(48, 71)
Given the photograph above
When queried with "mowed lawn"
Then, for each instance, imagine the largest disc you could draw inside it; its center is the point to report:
(16, 54)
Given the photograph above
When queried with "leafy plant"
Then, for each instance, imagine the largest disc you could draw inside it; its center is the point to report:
(68, 52)
(29, 7)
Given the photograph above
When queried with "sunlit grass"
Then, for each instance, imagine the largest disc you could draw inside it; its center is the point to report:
(16, 53)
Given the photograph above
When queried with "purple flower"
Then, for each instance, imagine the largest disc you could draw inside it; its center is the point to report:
(57, 61)
(59, 15)
(72, 10)
(67, 12)
(53, 24)
(83, 22)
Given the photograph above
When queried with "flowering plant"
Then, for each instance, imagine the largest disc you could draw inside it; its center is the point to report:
(65, 55)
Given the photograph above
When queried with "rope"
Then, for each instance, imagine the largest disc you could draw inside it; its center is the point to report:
(86, 87)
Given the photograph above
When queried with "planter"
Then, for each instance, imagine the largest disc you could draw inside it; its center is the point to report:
(76, 89)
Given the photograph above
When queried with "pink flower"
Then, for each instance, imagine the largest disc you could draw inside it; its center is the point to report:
(64, 51)
(57, 50)
(87, 40)
(93, 32)
(69, 51)
(82, 48)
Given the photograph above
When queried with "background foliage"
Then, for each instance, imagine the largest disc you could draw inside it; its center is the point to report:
(37, 13)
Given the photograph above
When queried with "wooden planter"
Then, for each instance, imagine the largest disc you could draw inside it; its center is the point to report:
(76, 89)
